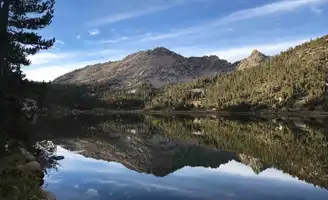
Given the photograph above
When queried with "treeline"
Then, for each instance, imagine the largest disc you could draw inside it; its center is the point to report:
(295, 148)
(295, 79)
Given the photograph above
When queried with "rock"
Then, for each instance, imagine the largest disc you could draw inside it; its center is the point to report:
(196, 104)
(29, 108)
(197, 91)
(28, 156)
(49, 196)
(198, 133)
(32, 167)
(92, 128)
(255, 59)
(252, 162)
(57, 157)
(154, 68)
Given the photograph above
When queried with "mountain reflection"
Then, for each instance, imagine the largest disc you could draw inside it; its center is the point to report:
(268, 154)
(79, 177)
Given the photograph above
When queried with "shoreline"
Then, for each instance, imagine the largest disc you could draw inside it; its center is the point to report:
(204, 112)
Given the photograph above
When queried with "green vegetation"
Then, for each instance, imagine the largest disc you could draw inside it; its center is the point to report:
(297, 147)
(294, 79)
(14, 184)
(88, 97)
(301, 152)
(19, 22)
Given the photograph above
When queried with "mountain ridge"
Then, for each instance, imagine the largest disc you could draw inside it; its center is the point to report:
(294, 80)
(159, 66)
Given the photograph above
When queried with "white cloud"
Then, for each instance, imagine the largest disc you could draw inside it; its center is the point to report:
(316, 10)
(49, 73)
(78, 36)
(94, 32)
(92, 192)
(236, 53)
(240, 52)
(47, 57)
(237, 168)
(283, 6)
(267, 9)
(133, 14)
(107, 41)
(167, 35)
(60, 42)
(49, 65)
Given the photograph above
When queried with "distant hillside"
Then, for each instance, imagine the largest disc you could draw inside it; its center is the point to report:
(156, 67)
(296, 78)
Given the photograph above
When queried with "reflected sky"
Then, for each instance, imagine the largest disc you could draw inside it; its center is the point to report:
(80, 178)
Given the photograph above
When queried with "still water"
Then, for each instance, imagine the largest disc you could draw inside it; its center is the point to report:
(140, 157)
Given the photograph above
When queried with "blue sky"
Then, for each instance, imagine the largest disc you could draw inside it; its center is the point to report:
(89, 33)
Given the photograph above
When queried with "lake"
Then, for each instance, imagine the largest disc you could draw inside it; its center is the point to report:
(186, 157)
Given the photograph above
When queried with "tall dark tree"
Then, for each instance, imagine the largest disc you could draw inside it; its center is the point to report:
(19, 21)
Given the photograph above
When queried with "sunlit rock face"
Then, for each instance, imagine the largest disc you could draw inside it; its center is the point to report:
(156, 67)
(157, 155)
(255, 163)
(255, 59)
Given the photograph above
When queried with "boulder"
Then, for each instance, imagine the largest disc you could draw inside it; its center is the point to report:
(29, 108)
(57, 157)
(32, 167)
(28, 156)
(196, 104)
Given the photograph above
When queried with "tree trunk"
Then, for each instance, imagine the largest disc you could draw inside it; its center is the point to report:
(4, 15)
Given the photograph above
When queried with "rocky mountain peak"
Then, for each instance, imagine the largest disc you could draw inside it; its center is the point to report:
(255, 59)
(162, 51)
(159, 66)
(255, 52)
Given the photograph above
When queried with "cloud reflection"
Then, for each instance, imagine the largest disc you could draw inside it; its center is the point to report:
(90, 178)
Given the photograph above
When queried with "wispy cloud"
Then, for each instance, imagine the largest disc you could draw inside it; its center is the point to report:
(94, 32)
(166, 35)
(236, 53)
(49, 65)
(60, 42)
(92, 192)
(240, 52)
(316, 10)
(267, 9)
(47, 57)
(78, 36)
(283, 6)
(111, 41)
(133, 14)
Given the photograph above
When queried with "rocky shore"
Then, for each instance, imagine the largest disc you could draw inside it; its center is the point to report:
(22, 172)
(33, 167)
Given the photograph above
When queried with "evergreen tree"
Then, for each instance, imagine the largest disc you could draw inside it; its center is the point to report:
(19, 19)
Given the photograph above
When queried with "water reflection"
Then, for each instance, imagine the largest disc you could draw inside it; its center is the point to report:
(79, 177)
(185, 157)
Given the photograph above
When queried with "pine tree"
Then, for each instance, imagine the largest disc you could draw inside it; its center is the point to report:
(19, 19)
